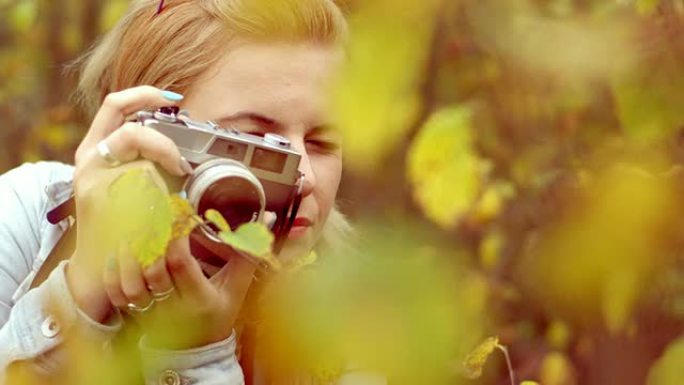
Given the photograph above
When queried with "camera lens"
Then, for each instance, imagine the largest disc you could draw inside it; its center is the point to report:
(230, 188)
(235, 198)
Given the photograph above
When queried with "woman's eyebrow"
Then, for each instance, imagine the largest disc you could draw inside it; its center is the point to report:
(258, 119)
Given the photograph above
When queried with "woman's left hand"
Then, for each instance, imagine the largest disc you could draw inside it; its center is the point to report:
(176, 304)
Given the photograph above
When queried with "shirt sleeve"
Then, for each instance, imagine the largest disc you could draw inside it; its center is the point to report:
(32, 328)
(213, 364)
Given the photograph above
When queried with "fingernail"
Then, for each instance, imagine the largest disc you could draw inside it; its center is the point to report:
(185, 166)
(183, 195)
(172, 96)
(270, 219)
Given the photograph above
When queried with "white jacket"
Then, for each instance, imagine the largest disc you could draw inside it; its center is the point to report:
(28, 331)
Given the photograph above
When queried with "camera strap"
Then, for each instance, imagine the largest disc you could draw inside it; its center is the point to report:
(63, 250)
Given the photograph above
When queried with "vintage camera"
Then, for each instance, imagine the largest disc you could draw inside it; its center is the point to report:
(238, 174)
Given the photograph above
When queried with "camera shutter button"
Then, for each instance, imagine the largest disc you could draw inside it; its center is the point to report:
(276, 140)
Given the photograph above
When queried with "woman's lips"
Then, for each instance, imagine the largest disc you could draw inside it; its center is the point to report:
(299, 227)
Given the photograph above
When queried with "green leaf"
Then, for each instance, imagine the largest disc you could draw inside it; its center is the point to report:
(139, 213)
(217, 220)
(252, 238)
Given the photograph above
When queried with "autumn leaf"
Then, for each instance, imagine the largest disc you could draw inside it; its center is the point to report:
(443, 168)
(141, 214)
(214, 217)
(185, 218)
(668, 369)
(253, 238)
(298, 263)
(475, 361)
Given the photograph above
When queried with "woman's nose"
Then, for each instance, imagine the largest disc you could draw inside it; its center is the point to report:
(306, 168)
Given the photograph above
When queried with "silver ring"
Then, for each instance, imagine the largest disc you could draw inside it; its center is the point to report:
(163, 295)
(133, 307)
(106, 154)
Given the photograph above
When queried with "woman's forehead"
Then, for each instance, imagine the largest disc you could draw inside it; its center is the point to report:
(284, 81)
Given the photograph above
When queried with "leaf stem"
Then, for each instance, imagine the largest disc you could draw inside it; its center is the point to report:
(508, 362)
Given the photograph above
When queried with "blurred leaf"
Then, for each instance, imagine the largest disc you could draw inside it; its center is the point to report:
(475, 361)
(669, 369)
(567, 47)
(442, 167)
(558, 335)
(490, 249)
(376, 97)
(113, 11)
(597, 260)
(556, 369)
(649, 102)
(646, 7)
(23, 15)
(395, 308)
(302, 262)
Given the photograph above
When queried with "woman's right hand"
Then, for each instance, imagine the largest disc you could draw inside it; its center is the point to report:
(127, 142)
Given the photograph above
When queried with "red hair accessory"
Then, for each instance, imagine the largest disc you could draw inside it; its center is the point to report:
(161, 7)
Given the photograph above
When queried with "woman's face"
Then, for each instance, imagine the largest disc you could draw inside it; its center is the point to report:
(280, 88)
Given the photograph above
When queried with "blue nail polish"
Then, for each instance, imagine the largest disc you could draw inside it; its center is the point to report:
(183, 194)
(172, 96)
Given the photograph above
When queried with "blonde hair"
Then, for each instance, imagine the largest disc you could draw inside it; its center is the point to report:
(172, 49)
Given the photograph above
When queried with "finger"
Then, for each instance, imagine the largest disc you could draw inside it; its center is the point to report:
(269, 219)
(112, 283)
(185, 271)
(157, 278)
(118, 105)
(132, 281)
(235, 278)
(133, 140)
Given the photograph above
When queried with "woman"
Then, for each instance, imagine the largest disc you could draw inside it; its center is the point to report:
(258, 66)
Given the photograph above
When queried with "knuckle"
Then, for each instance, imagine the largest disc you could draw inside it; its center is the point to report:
(112, 100)
(153, 275)
(128, 135)
(147, 88)
(176, 262)
(136, 295)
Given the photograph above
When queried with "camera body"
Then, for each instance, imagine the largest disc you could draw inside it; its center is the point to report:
(238, 174)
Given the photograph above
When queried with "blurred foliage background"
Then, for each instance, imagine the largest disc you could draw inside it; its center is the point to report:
(533, 148)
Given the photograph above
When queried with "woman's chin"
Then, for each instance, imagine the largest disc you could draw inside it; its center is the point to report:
(299, 243)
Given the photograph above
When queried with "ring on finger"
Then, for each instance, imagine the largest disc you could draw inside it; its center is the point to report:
(163, 295)
(133, 307)
(106, 154)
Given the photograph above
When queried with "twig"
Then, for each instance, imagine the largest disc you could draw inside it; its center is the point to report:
(508, 362)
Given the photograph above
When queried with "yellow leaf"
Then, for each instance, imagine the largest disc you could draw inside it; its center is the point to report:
(442, 167)
(139, 212)
(377, 96)
(301, 262)
(476, 360)
(668, 370)
(217, 220)
(556, 369)
(185, 218)
(490, 249)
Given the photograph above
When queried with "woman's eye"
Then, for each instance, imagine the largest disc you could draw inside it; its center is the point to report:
(323, 145)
